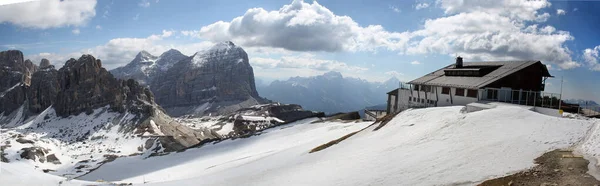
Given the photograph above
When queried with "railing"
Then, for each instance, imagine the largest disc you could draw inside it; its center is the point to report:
(589, 111)
(521, 97)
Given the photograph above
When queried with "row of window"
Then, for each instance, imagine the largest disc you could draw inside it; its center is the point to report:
(415, 99)
(460, 92)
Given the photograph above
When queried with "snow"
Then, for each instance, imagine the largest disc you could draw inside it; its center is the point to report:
(432, 146)
(98, 134)
(454, 148)
(9, 89)
(21, 174)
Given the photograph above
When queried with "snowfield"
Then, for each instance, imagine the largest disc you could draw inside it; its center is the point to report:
(432, 146)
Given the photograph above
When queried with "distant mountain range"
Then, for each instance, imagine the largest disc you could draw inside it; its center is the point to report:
(581, 102)
(330, 92)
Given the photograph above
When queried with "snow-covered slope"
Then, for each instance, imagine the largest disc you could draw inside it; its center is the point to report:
(96, 138)
(434, 146)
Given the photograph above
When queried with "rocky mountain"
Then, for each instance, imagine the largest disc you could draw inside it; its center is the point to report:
(144, 67)
(330, 92)
(82, 106)
(216, 81)
(15, 76)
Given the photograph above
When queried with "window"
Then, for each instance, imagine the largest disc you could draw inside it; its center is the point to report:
(446, 90)
(472, 93)
(460, 92)
(409, 98)
(416, 87)
(422, 100)
(414, 99)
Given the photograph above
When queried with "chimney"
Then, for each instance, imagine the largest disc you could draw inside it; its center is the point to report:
(459, 62)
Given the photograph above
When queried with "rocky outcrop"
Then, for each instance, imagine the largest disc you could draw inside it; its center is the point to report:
(15, 76)
(217, 81)
(44, 87)
(44, 63)
(145, 67)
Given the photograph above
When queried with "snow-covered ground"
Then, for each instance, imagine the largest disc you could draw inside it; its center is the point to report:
(433, 146)
(80, 143)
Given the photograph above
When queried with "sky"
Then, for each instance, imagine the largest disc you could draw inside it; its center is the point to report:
(371, 40)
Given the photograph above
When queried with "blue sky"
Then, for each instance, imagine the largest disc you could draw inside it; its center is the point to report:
(372, 40)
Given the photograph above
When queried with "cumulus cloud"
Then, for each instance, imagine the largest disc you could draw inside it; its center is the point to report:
(48, 13)
(298, 62)
(560, 12)
(591, 57)
(301, 26)
(517, 10)
(421, 6)
(415, 63)
(480, 35)
(76, 31)
(477, 30)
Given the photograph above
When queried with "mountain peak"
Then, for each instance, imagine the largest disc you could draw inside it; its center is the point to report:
(333, 74)
(144, 56)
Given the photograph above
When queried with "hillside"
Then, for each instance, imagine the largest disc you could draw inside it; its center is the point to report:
(456, 148)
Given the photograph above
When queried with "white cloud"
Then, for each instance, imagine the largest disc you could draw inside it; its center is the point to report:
(415, 63)
(301, 26)
(76, 31)
(144, 3)
(395, 9)
(517, 10)
(421, 6)
(298, 62)
(575, 9)
(393, 73)
(120, 51)
(98, 27)
(49, 13)
(560, 12)
(591, 57)
(136, 17)
(485, 36)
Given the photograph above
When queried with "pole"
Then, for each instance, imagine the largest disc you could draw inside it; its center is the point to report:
(561, 92)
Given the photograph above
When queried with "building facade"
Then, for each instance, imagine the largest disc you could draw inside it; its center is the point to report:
(520, 82)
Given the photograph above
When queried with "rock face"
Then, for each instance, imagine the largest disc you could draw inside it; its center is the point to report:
(82, 86)
(44, 87)
(145, 67)
(217, 81)
(15, 76)
(44, 63)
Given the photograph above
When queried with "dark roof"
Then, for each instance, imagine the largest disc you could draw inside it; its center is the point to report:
(504, 68)
(394, 92)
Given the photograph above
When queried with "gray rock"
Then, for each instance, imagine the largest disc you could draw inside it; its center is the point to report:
(220, 77)
(52, 159)
(34, 153)
(15, 76)
(44, 63)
